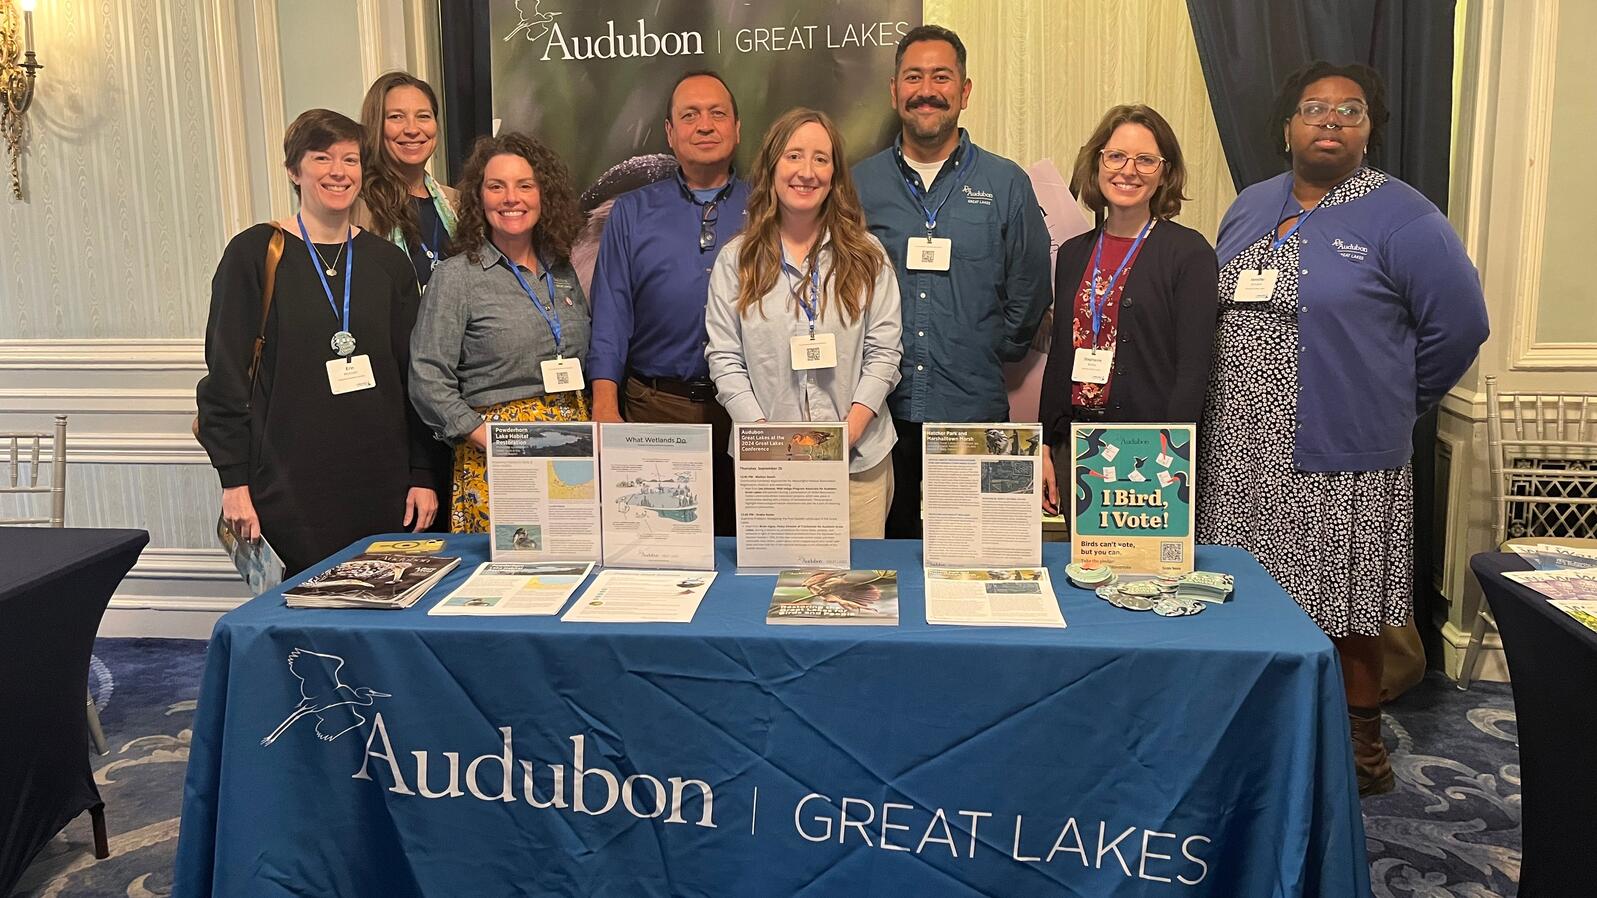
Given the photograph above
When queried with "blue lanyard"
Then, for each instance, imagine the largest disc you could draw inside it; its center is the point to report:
(810, 308)
(1278, 242)
(920, 198)
(316, 263)
(1099, 301)
(436, 256)
(550, 316)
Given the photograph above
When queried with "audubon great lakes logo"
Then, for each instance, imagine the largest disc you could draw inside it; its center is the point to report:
(538, 26)
(977, 197)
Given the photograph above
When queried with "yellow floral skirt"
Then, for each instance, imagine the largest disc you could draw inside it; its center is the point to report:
(469, 511)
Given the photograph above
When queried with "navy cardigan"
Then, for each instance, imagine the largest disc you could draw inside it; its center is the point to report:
(1390, 316)
(1166, 332)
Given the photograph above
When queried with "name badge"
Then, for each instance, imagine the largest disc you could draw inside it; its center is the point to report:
(810, 352)
(928, 253)
(1255, 286)
(1092, 366)
(562, 375)
(350, 375)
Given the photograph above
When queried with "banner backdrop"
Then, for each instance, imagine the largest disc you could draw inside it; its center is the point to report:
(591, 78)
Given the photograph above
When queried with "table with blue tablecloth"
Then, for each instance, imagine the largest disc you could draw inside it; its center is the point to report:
(1128, 754)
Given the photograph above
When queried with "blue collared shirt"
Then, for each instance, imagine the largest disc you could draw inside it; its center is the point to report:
(961, 325)
(651, 282)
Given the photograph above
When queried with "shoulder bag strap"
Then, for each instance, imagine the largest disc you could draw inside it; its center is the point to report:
(274, 255)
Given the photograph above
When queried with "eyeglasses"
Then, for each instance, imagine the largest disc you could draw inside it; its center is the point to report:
(1316, 113)
(707, 227)
(1115, 160)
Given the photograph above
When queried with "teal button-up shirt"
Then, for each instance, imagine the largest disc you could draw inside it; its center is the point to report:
(962, 324)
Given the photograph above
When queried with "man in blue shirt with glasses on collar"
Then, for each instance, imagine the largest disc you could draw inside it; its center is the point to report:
(963, 228)
(652, 279)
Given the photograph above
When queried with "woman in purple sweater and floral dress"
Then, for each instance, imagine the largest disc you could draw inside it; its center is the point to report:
(1347, 308)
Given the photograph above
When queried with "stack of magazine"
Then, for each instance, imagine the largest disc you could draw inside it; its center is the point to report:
(372, 580)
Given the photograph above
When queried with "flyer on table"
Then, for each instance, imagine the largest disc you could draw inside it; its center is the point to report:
(657, 495)
(792, 495)
(982, 500)
(543, 499)
(1132, 493)
(618, 596)
(514, 587)
(984, 597)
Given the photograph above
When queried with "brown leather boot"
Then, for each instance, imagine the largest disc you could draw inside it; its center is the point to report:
(1369, 757)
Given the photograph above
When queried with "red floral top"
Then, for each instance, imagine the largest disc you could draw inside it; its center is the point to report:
(1114, 250)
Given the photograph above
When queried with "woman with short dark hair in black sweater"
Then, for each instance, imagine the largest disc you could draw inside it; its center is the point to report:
(1135, 299)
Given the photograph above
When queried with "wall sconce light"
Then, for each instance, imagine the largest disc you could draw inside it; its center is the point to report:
(16, 80)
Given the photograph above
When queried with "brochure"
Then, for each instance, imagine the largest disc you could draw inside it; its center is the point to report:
(982, 500)
(835, 597)
(792, 496)
(256, 561)
(1583, 610)
(658, 495)
(1546, 557)
(980, 597)
(507, 588)
(1572, 584)
(1132, 494)
(617, 596)
(543, 501)
(372, 581)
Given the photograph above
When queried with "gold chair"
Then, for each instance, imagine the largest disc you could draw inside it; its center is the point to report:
(21, 451)
(1543, 454)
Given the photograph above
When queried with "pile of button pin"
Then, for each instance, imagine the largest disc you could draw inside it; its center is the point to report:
(1157, 595)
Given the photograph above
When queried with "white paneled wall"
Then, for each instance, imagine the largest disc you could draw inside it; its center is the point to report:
(155, 136)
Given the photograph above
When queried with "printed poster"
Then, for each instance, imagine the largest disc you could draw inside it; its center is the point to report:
(1133, 495)
(658, 496)
(982, 495)
(792, 495)
(543, 498)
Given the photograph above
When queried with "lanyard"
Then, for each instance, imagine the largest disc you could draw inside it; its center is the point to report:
(1278, 242)
(1099, 301)
(920, 198)
(550, 316)
(810, 308)
(436, 256)
(349, 268)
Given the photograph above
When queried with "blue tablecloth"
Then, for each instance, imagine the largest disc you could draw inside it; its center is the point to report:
(1126, 755)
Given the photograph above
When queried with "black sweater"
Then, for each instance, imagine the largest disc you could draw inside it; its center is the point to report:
(1168, 313)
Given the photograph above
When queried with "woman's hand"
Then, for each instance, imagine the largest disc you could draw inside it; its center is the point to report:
(859, 418)
(479, 437)
(239, 513)
(1050, 485)
(421, 504)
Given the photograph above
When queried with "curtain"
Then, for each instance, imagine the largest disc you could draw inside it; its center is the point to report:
(1045, 71)
(1248, 46)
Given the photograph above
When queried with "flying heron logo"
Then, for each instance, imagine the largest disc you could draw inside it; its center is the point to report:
(538, 26)
(322, 695)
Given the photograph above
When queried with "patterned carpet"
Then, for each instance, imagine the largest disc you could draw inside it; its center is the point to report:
(1450, 830)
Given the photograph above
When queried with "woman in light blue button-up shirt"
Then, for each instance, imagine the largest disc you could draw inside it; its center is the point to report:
(807, 285)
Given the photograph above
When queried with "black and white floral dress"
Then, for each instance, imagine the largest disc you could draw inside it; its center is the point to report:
(1340, 543)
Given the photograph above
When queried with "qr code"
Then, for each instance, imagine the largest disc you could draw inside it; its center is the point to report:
(563, 378)
(812, 353)
(1172, 553)
(928, 256)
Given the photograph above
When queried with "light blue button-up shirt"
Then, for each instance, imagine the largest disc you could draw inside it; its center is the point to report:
(751, 362)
